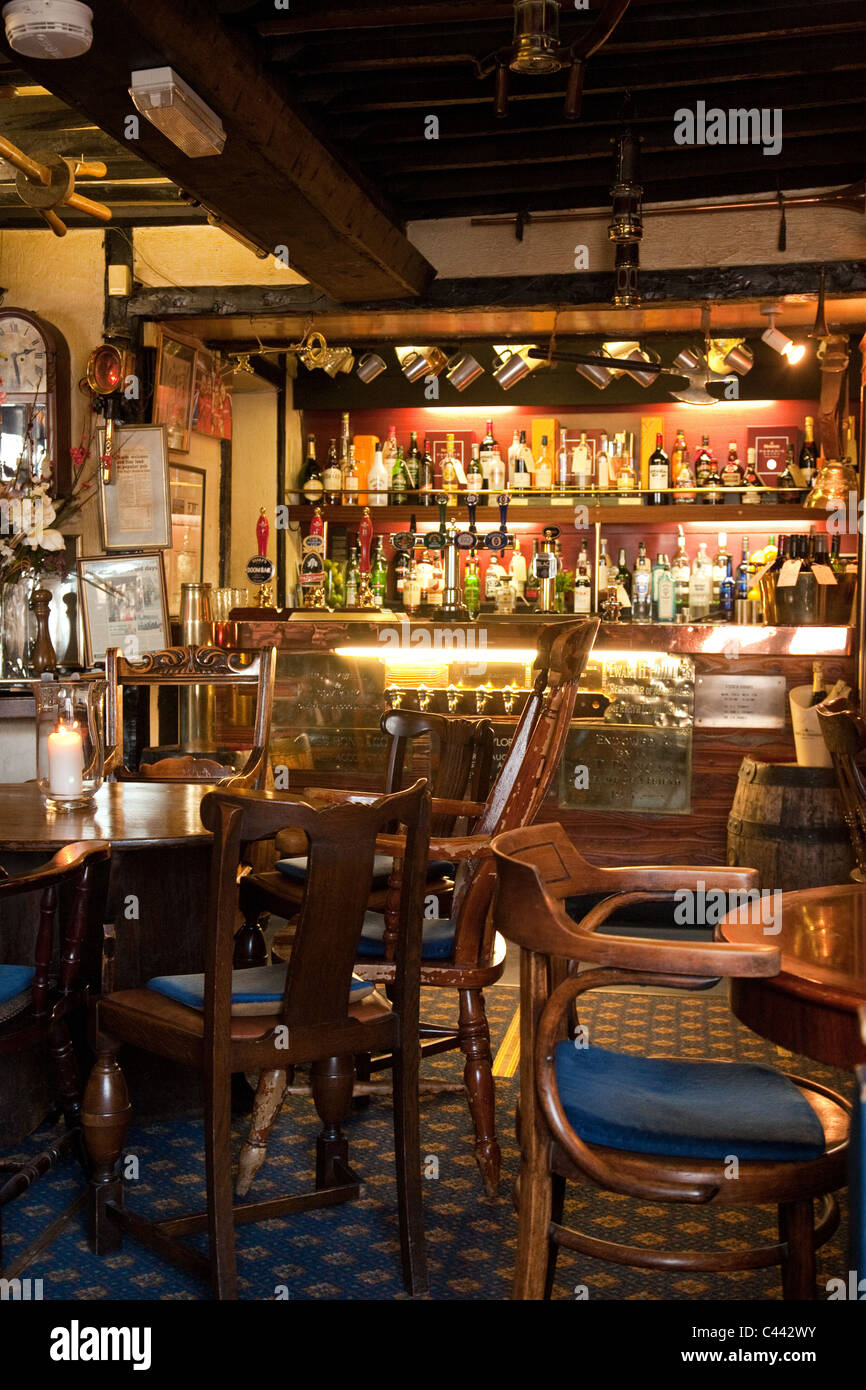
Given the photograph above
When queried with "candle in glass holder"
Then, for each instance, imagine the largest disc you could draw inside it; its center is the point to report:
(65, 762)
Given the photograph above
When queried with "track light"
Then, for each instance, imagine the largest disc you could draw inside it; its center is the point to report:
(779, 341)
(511, 364)
(418, 362)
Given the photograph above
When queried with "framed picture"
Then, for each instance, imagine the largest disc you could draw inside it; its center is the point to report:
(175, 381)
(184, 562)
(123, 604)
(212, 398)
(134, 507)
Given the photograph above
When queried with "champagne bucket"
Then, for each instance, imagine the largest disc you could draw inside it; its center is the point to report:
(808, 603)
(196, 615)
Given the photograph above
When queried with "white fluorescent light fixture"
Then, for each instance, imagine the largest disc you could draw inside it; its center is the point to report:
(779, 341)
(178, 113)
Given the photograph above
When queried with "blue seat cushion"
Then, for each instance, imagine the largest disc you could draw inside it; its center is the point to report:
(857, 1178)
(255, 991)
(689, 1109)
(437, 941)
(296, 867)
(14, 980)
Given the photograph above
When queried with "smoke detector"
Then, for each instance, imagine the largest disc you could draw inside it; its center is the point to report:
(48, 28)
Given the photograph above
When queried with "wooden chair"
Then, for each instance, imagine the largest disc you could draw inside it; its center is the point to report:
(654, 1129)
(226, 1022)
(37, 1001)
(463, 760)
(185, 667)
(857, 1177)
(463, 952)
(845, 738)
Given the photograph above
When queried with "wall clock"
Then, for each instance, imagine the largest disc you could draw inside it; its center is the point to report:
(34, 401)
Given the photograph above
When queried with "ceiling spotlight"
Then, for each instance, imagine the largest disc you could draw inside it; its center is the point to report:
(536, 36)
(779, 341)
(511, 364)
(48, 28)
(418, 362)
(630, 352)
(370, 366)
(726, 355)
(177, 111)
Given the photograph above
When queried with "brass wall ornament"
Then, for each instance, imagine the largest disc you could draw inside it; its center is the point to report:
(46, 181)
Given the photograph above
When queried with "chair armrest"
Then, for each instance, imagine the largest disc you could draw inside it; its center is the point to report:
(673, 878)
(65, 862)
(455, 847)
(442, 806)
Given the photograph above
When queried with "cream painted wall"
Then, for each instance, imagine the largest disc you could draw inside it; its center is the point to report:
(456, 248)
(205, 453)
(254, 447)
(202, 256)
(62, 279)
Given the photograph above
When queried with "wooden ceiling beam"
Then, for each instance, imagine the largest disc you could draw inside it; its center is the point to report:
(275, 181)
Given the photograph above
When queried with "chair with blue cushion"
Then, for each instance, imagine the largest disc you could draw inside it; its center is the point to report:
(857, 1178)
(38, 1000)
(698, 1133)
(309, 1011)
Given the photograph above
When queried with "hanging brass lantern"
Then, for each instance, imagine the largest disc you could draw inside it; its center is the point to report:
(536, 37)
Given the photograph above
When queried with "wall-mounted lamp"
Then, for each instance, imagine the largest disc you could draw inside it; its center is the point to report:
(779, 341)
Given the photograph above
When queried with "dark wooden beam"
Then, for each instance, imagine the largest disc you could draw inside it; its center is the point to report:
(317, 18)
(274, 181)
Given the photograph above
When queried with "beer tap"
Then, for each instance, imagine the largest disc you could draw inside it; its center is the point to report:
(453, 696)
(483, 696)
(449, 540)
(424, 698)
(509, 695)
(312, 576)
(394, 695)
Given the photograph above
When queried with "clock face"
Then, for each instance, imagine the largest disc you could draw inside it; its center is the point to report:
(23, 357)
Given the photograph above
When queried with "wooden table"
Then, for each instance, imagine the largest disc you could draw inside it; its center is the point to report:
(811, 1007)
(157, 900)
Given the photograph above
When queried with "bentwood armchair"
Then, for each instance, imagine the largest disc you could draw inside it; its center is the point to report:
(657, 1129)
(309, 1011)
(191, 668)
(37, 1000)
(845, 739)
(463, 952)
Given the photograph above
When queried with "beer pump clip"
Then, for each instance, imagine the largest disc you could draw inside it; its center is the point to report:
(496, 540)
(260, 570)
(311, 576)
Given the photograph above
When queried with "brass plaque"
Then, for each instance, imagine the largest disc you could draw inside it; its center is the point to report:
(744, 702)
(637, 768)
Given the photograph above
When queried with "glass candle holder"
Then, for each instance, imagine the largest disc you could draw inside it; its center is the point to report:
(70, 749)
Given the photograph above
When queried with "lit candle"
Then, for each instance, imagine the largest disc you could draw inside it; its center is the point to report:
(65, 762)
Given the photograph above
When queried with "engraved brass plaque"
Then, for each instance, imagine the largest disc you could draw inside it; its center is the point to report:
(744, 702)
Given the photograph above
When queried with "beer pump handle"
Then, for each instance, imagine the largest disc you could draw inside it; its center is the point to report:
(503, 499)
(443, 507)
(263, 530)
(471, 504)
(317, 525)
(365, 538)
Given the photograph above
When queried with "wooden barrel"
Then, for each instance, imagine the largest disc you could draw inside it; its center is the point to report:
(788, 823)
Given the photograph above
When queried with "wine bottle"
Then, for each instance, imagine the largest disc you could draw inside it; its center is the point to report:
(412, 461)
(332, 477)
(312, 485)
(732, 477)
(808, 454)
(819, 691)
(659, 475)
(426, 478)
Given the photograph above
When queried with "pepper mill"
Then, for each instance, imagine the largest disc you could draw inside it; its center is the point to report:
(44, 656)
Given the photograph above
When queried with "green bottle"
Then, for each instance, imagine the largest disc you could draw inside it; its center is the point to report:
(400, 484)
(379, 574)
(472, 587)
(353, 579)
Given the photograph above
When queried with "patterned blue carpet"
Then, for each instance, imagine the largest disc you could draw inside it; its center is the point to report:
(351, 1251)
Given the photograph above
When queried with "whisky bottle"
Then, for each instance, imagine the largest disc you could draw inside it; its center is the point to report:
(399, 480)
(312, 485)
(543, 475)
(732, 476)
(350, 479)
(681, 472)
(332, 477)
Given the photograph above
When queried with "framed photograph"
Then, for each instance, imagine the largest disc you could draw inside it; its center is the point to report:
(123, 604)
(175, 383)
(212, 398)
(184, 562)
(134, 507)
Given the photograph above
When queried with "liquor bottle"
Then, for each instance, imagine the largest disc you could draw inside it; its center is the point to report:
(666, 605)
(659, 475)
(744, 572)
(411, 588)
(720, 565)
(626, 479)
(474, 473)
(542, 478)
(732, 476)
(643, 561)
(563, 473)
(603, 464)
(641, 594)
(520, 478)
(345, 436)
(531, 591)
(658, 570)
(312, 485)
(379, 574)
(350, 480)
(623, 587)
(424, 576)
(389, 448)
(683, 477)
(412, 460)
(495, 572)
(819, 689)
(701, 585)
(332, 476)
(808, 454)
(517, 569)
(787, 488)
(449, 470)
(581, 464)
(488, 444)
(497, 473)
(837, 564)
(851, 443)
(472, 587)
(513, 452)
(682, 571)
(401, 567)
(353, 578)
(752, 482)
(582, 592)
(426, 478)
(710, 473)
(399, 480)
(606, 571)
(703, 459)
(378, 481)
(726, 594)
